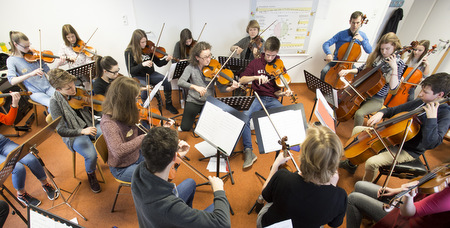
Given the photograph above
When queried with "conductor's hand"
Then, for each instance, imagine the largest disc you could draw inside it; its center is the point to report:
(183, 148)
(216, 183)
(375, 119)
(15, 99)
(89, 131)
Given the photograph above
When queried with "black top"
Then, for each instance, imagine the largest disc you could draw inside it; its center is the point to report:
(100, 86)
(137, 70)
(307, 204)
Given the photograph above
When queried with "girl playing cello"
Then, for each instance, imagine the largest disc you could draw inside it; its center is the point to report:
(419, 52)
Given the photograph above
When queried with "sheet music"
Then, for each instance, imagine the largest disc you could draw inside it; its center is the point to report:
(288, 123)
(218, 127)
(282, 224)
(206, 149)
(153, 92)
(41, 221)
(171, 71)
(212, 165)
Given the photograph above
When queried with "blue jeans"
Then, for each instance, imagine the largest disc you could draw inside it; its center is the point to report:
(155, 78)
(84, 146)
(43, 98)
(186, 191)
(325, 70)
(19, 172)
(125, 173)
(269, 102)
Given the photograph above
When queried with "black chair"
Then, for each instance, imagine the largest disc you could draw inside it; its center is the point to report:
(406, 170)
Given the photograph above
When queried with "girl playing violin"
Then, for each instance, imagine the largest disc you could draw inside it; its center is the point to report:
(75, 128)
(419, 52)
(71, 40)
(244, 49)
(140, 64)
(310, 198)
(29, 73)
(183, 47)
(120, 116)
(384, 51)
(107, 69)
(431, 211)
(194, 80)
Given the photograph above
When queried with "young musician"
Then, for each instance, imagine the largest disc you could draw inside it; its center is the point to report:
(71, 39)
(434, 124)
(342, 37)
(243, 47)
(162, 204)
(29, 73)
(392, 72)
(19, 172)
(107, 69)
(194, 80)
(266, 89)
(120, 116)
(183, 47)
(75, 128)
(431, 211)
(419, 52)
(140, 64)
(310, 198)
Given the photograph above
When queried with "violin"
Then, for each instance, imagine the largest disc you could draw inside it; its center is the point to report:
(80, 47)
(276, 71)
(188, 48)
(433, 182)
(151, 49)
(82, 99)
(155, 115)
(411, 77)
(366, 144)
(34, 56)
(224, 76)
(367, 83)
(256, 42)
(349, 52)
(3, 95)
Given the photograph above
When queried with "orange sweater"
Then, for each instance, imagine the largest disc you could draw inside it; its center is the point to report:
(9, 118)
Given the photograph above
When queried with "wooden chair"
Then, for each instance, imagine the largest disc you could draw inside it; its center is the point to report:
(49, 119)
(102, 150)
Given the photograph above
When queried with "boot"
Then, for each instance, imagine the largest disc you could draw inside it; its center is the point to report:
(249, 158)
(93, 182)
(169, 106)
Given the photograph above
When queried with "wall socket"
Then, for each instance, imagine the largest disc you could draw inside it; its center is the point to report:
(125, 20)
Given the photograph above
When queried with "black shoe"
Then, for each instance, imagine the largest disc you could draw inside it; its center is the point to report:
(171, 109)
(27, 199)
(93, 183)
(52, 194)
(347, 166)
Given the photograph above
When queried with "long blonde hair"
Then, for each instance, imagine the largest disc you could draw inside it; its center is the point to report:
(388, 38)
(134, 46)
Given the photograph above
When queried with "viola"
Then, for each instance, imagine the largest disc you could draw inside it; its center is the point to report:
(349, 52)
(433, 182)
(286, 153)
(410, 79)
(256, 42)
(155, 115)
(224, 76)
(82, 99)
(366, 84)
(3, 95)
(366, 144)
(150, 49)
(276, 71)
(34, 56)
(80, 47)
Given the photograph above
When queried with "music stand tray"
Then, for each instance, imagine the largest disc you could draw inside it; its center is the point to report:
(313, 83)
(82, 72)
(179, 69)
(240, 103)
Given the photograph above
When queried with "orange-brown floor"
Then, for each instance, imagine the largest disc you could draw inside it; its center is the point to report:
(96, 207)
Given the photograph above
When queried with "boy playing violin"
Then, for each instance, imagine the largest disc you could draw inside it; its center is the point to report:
(266, 89)
(435, 122)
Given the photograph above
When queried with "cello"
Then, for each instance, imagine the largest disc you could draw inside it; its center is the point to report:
(412, 78)
(367, 83)
(348, 53)
(366, 144)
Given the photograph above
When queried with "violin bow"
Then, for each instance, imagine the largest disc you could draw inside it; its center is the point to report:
(85, 44)
(267, 27)
(92, 98)
(40, 51)
(275, 128)
(201, 32)
(290, 68)
(215, 76)
(157, 43)
(149, 109)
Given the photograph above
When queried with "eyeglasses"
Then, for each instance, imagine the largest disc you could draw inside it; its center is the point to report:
(113, 72)
(207, 57)
(24, 47)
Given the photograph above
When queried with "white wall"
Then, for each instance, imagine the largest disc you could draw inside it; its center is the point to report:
(226, 24)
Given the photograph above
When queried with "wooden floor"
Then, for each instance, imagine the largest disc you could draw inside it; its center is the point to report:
(242, 195)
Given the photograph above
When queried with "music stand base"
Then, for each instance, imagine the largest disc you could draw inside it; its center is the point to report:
(256, 201)
(11, 204)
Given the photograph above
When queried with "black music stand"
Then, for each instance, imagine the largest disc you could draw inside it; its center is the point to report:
(82, 72)
(237, 66)
(330, 94)
(179, 69)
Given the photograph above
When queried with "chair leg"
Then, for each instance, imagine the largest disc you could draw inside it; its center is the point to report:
(74, 163)
(117, 195)
(426, 162)
(378, 178)
(35, 114)
(101, 173)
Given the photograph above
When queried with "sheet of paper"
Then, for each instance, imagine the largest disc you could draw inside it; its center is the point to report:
(288, 123)
(171, 71)
(282, 224)
(218, 127)
(206, 149)
(153, 92)
(212, 165)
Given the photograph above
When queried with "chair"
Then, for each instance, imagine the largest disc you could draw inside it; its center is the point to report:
(49, 119)
(406, 170)
(102, 150)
